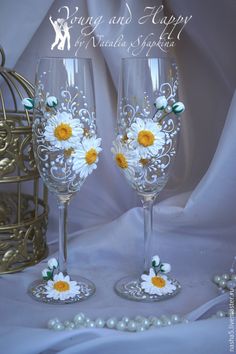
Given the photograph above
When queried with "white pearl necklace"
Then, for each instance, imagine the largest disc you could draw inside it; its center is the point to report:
(137, 324)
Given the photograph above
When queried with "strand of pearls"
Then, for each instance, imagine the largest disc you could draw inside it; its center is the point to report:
(225, 281)
(137, 324)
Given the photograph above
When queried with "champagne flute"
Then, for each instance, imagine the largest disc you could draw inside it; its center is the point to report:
(66, 150)
(144, 150)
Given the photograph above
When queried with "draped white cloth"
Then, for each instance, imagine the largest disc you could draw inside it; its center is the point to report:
(195, 219)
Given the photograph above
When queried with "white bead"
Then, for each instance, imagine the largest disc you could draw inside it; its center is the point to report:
(233, 276)
(58, 327)
(87, 320)
(220, 314)
(79, 318)
(168, 109)
(231, 284)
(121, 326)
(140, 328)
(71, 325)
(175, 318)
(222, 283)
(217, 279)
(52, 322)
(91, 324)
(100, 323)
(225, 277)
(111, 322)
(125, 319)
(131, 326)
(145, 322)
(158, 323)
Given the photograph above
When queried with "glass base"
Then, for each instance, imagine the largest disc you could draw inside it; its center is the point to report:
(37, 291)
(129, 288)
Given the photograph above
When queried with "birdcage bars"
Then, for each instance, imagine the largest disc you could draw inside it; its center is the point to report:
(23, 215)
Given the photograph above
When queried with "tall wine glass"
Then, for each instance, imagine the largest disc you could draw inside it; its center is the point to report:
(144, 149)
(66, 151)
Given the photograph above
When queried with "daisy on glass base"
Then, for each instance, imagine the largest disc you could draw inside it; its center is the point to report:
(154, 286)
(58, 288)
(61, 287)
(157, 284)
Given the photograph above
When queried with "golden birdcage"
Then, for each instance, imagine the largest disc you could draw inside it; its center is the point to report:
(23, 201)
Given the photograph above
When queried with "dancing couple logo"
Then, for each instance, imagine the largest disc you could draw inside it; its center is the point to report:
(62, 33)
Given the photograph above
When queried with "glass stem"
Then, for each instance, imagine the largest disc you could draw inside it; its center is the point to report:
(147, 202)
(62, 253)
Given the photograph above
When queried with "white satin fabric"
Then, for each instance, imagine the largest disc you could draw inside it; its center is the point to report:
(195, 220)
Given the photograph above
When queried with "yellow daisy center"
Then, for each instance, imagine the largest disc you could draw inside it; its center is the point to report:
(63, 131)
(61, 286)
(91, 156)
(121, 161)
(68, 152)
(158, 282)
(146, 138)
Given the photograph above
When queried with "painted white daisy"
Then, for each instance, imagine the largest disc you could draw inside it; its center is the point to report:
(146, 136)
(156, 284)
(126, 159)
(61, 287)
(86, 156)
(63, 131)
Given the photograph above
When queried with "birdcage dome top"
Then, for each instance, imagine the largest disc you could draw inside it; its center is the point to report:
(13, 88)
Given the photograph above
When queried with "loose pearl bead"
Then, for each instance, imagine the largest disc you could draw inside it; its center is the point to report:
(71, 325)
(121, 326)
(58, 327)
(145, 322)
(233, 276)
(131, 326)
(175, 318)
(111, 322)
(87, 320)
(230, 284)
(158, 323)
(91, 324)
(222, 283)
(100, 323)
(125, 319)
(140, 328)
(217, 279)
(52, 322)
(220, 314)
(79, 318)
(225, 277)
